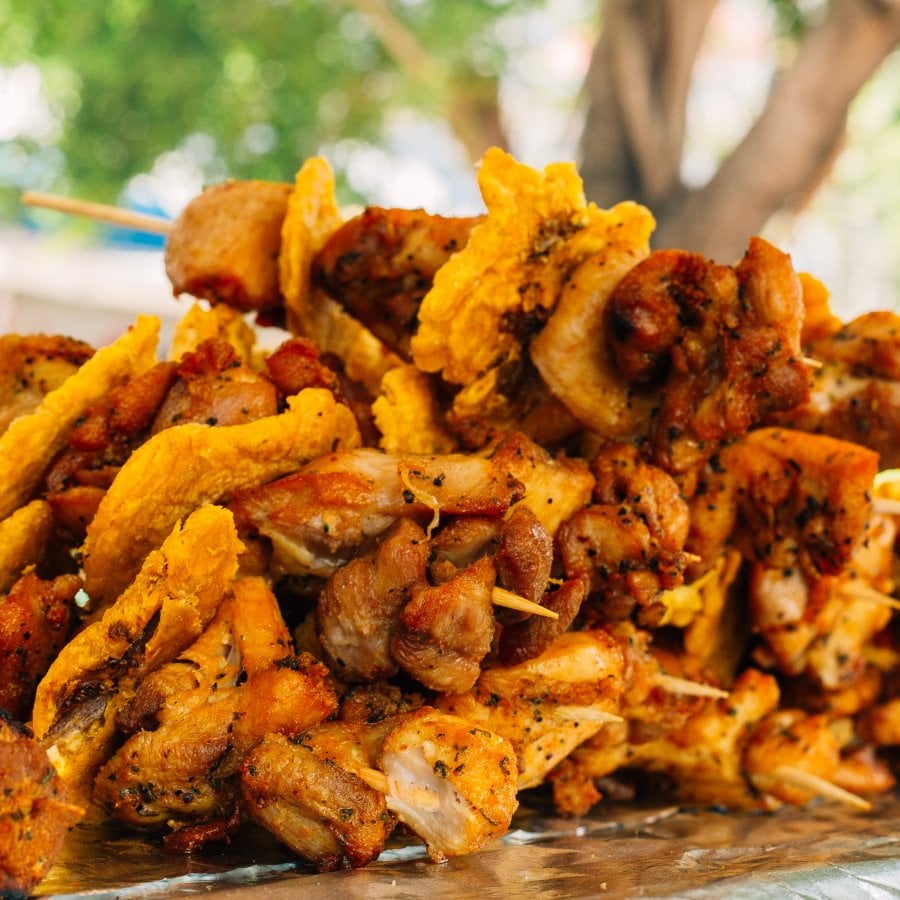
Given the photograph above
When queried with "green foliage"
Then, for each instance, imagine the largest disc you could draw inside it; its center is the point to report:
(268, 82)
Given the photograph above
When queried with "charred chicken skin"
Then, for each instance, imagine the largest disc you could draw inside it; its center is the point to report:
(381, 263)
(719, 346)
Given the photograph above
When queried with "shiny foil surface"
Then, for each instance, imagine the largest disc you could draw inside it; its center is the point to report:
(820, 851)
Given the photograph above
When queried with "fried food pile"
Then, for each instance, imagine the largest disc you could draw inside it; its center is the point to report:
(517, 504)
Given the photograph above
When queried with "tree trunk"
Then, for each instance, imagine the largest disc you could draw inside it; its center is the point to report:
(631, 149)
(638, 85)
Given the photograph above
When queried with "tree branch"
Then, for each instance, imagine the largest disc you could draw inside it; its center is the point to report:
(795, 138)
(638, 82)
(470, 105)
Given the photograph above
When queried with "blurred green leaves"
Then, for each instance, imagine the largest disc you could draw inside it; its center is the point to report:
(247, 89)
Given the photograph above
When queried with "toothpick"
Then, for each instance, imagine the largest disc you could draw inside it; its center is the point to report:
(885, 506)
(674, 685)
(812, 363)
(376, 780)
(887, 476)
(502, 597)
(586, 714)
(866, 592)
(820, 786)
(99, 211)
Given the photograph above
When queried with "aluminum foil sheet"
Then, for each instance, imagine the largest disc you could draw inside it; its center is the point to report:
(821, 851)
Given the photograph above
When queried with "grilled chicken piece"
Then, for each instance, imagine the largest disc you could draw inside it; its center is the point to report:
(318, 518)
(35, 623)
(358, 610)
(628, 544)
(35, 813)
(525, 639)
(881, 725)
(802, 498)
(224, 245)
(98, 446)
(446, 630)
(32, 366)
(820, 625)
(855, 395)
(214, 386)
(790, 737)
(305, 790)
(247, 685)
(718, 346)
(173, 598)
(555, 487)
(703, 755)
(868, 345)
(785, 499)
(525, 555)
(548, 705)
(375, 702)
(452, 784)
(380, 264)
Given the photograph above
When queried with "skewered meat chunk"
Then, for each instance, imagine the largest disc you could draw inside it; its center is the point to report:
(247, 685)
(305, 791)
(35, 621)
(784, 498)
(101, 443)
(548, 705)
(802, 499)
(213, 386)
(452, 783)
(789, 737)
(33, 365)
(35, 813)
(867, 345)
(318, 518)
(381, 263)
(173, 598)
(555, 486)
(216, 255)
(820, 625)
(523, 640)
(855, 395)
(703, 754)
(358, 610)
(446, 630)
(525, 555)
(720, 345)
(627, 545)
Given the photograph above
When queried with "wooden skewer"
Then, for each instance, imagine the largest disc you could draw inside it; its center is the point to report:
(376, 780)
(502, 597)
(674, 685)
(586, 714)
(887, 476)
(813, 363)
(423, 797)
(100, 211)
(820, 786)
(866, 592)
(885, 506)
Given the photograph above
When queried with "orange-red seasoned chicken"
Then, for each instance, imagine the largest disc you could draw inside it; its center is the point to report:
(381, 263)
